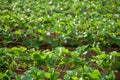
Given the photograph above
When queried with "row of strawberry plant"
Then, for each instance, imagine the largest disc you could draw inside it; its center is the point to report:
(35, 23)
(58, 64)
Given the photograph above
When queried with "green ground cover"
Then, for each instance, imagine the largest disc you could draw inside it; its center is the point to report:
(88, 26)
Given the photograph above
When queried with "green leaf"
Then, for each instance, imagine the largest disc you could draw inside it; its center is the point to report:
(67, 77)
(95, 75)
(47, 75)
(5, 77)
(97, 50)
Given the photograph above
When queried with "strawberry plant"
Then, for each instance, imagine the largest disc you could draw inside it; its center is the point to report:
(56, 40)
